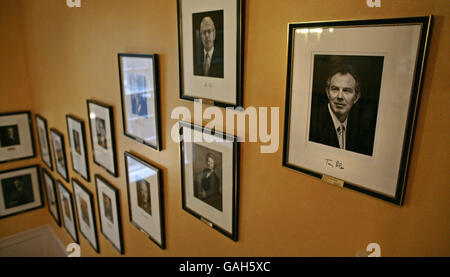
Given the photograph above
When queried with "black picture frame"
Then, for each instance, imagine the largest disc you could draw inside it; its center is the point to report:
(92, 238)
(104, 148)
(81, 150)
(44, 141)
(216, 204)
(114, 198)
(16, 136)
(343, 161)
(225, 87)
(143, 215)
(31, 197)
(52, 195)
(60, 157)
(70, 223)
(136, 109)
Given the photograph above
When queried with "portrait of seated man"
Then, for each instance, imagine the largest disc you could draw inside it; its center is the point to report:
(101, 132)
(107, 206)
(17, 191)
(143, 195)
(84, 211)
(138, 89)
(343, 116)
(9, 136)
(66, 208)
(208, 44)
(76, 142)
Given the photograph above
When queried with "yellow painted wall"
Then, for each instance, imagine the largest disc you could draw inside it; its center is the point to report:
(71, 55)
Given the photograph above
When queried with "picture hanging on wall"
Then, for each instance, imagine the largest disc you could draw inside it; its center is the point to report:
(44, 142)
(139, 87)
(20, 191)
(52, 198)
(101, 125)
(211, 49)
(209, 172)
(145, 198)
(16, 136)
(353, 89)
(59, 153)
(77, 142)
(68, 213)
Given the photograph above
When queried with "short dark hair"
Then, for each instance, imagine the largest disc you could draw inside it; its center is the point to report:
(344, 69)
(210, 155)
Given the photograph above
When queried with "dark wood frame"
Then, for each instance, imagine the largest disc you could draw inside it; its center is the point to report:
(236, 175)
(155, 63)
(46, 172)
(160, 198)
(83, 134)
(36, 117)
(76, 239)
(63, 145)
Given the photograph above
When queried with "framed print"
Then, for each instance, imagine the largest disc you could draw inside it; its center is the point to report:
(109, 212)
(101, 125)
(52, 199)
(84, 202)
(16, 136)
(145, 198)
(77, 143)
(59, 152)
(68, 213)
(211, 48)
(139, 87)
(20, 191)
(210, 177)
(353, 89)
(44, 144)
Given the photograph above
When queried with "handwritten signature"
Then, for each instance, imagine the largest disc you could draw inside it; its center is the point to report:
(207, 85)
(334, 164)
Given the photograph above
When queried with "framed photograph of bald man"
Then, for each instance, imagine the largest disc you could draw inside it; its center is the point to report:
(210, 39)
(352, 95)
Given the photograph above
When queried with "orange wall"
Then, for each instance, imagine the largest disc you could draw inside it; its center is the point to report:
(71, 56)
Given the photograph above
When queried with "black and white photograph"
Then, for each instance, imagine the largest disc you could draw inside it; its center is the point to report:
(145, 197)
(52, 201)
(59, 153)
(77, 146)
(103, 144)
(210, 170)
(350, 106)
(139, 87)
(68, 212)
(211, 48)
(84, 202)
(44, 142)
(17, 191)
(16, 136)
(109, 212)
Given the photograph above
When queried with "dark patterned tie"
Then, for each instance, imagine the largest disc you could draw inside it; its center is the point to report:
(207, 64)
(341, 135)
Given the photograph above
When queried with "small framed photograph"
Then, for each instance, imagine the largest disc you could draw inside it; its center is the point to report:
(352, 94)
(211, 48)
(68, 213)
(210, 183)
(101, 125)
(109, 212)
(16, 136)
(59, 152)
(52, 199)
(77, 142)
(139, 87)
(145, 198)
(84, 202)
(44, 142)
(20, 191)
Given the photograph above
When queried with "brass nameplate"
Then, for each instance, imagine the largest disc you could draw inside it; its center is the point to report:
(206, 222)
(208, 102)
(333, 181)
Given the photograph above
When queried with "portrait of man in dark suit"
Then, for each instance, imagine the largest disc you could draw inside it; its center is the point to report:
(9, 136)
(344, 108)
(208, 43)
(107, 207)
(76, 141)
(143, 195)
(17, 191)
(101, 132)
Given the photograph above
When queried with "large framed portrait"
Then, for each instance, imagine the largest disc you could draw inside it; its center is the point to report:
(145, 198)
(77, 143)
(68, 213)
(210, 177)
(139, 87)
(353, 89)
(84, 202)
(211, 48)
(52, 198)
(44, 143)
(109, 212)
(16, 136)
(59, 152)
(101, 125)
(20, 191)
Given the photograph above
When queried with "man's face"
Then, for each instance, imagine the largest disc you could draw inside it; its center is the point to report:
(18, 185)
(342, 94)
(210, 163)
(207, 33)
(10, 132)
